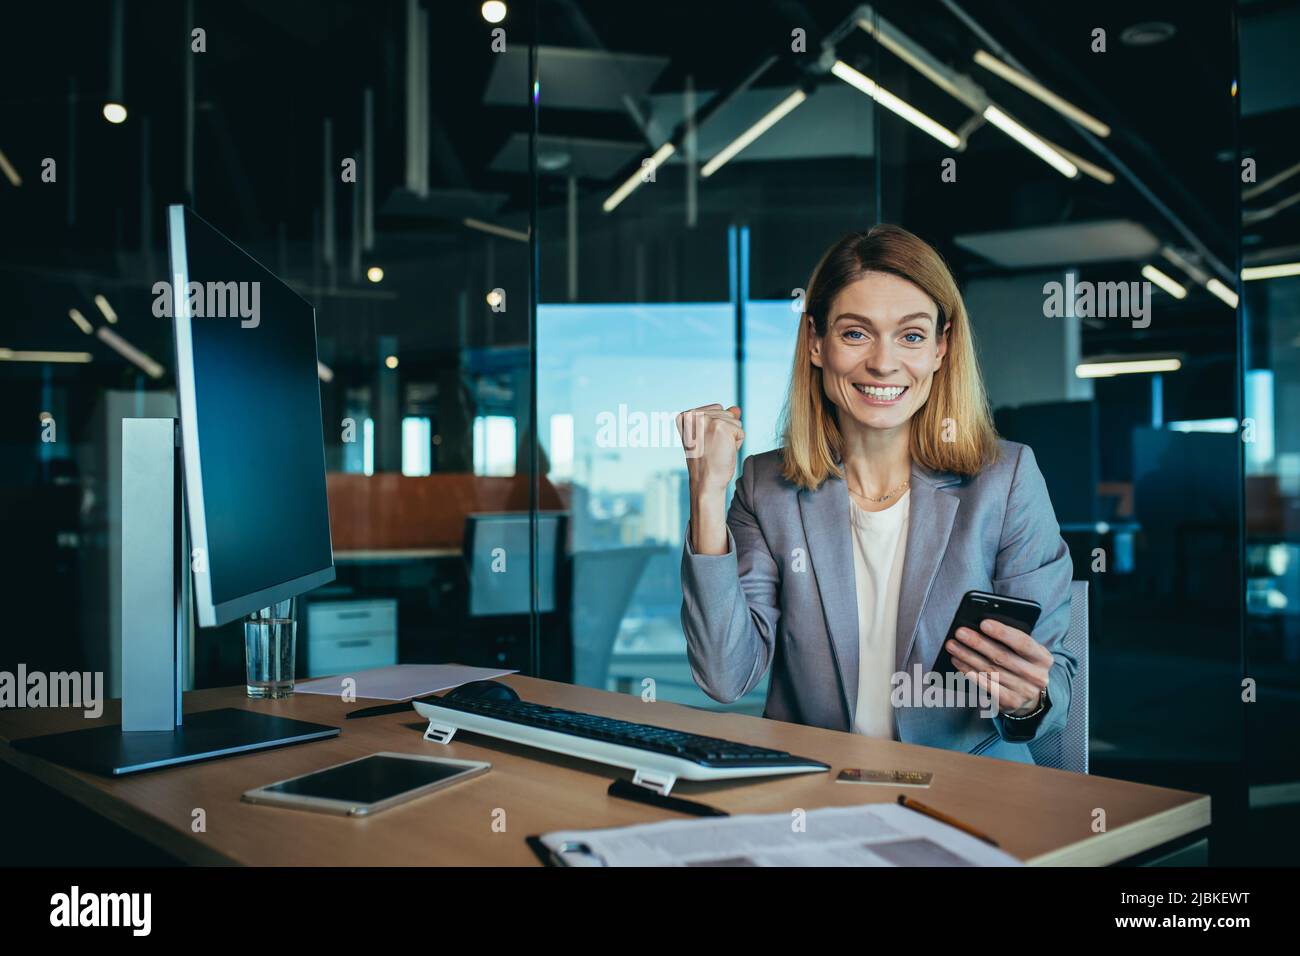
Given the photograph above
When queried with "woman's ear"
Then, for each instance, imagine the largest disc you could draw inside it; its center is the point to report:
(943, 345)
(814, 341)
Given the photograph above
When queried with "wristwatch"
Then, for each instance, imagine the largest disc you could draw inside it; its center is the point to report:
(1044, 704)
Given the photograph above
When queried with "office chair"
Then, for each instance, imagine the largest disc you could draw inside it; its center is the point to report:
(603, 584)
(1067, 748)
(495, 628)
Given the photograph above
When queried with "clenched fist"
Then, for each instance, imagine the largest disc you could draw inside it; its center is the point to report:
(711, 436)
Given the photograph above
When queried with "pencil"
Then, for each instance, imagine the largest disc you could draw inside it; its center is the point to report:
(944, 818)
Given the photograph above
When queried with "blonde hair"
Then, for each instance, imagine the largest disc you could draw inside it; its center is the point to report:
(953, 431)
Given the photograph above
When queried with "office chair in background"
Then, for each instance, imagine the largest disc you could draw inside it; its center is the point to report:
(1067, 748)
(603, 584)
(495, 629)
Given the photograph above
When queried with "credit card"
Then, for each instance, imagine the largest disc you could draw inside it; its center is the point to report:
(888, 778)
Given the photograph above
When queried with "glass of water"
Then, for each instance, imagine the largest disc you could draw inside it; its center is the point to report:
(269, 650)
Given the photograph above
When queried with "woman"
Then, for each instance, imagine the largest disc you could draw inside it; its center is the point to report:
(847, 551)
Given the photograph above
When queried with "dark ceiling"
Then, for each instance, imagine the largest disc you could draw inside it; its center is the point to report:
(275, 70)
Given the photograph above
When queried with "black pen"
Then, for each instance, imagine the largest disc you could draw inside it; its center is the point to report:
(388, 708)
(631, 791)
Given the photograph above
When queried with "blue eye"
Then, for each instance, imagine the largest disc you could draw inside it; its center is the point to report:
(914, 338)
(854, 332)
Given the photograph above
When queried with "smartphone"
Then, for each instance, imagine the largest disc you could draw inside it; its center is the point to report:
(367, 785)
(977, 606)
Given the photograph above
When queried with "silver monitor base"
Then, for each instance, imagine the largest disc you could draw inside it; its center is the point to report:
(210, 733)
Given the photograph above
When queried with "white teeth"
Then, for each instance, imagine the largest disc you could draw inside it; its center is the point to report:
(888, 393)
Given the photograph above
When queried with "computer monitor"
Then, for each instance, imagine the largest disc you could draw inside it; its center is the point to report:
(252, 482)
(248, 391)
(492, 538)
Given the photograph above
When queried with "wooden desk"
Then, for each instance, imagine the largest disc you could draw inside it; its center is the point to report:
(1039, 815)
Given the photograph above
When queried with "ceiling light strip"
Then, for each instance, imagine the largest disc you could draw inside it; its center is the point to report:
(20, 355)
(1031, 142)
(1041, 93)
(1126, 367)
(129, 352)
(1279, 271)
(1166, 282)
(773, 116)
(895, 105)
(492, 229)
(646, 169)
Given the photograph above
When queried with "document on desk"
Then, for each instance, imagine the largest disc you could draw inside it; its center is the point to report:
(401, 681)
(880, 834)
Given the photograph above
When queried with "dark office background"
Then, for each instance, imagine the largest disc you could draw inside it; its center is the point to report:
(477, 378)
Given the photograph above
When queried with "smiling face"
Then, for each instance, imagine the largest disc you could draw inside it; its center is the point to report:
(880, 351)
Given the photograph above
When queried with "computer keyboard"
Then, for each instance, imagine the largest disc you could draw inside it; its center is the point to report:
(659, 755)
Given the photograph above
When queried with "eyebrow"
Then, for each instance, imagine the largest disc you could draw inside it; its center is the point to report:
(907, 318)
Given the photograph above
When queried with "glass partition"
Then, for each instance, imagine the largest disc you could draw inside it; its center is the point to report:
(1270, 104)
(674, 244)
(1088, 212)
(338, 148)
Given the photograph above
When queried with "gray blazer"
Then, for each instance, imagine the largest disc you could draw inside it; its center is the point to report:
(784, 598)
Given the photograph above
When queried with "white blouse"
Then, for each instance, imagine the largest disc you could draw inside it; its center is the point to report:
(879, 544)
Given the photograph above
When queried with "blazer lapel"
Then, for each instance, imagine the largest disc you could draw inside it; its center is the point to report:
(930, 518)
(828, 532)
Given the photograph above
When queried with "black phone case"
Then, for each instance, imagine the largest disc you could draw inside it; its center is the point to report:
(1019, 613)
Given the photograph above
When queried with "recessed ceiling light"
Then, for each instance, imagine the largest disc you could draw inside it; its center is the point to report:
(391, 361)
(375, 274)
(115, 113)
(494, 11)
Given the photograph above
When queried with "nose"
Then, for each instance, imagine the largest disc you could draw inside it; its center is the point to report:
(880, 359)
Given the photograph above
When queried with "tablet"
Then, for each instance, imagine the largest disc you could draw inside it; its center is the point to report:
(368, 784)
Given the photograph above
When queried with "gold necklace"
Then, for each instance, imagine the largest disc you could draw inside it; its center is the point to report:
(883, 498)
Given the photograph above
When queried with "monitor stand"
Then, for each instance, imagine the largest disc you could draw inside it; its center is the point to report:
(112, 751)
(156, 622)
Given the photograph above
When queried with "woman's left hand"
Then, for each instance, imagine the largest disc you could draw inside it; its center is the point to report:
(1007, 658)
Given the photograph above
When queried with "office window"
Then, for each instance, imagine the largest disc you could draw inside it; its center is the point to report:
(417, 446)
(561, 447)
(368, 446)
(494, 445)
(1260, 397)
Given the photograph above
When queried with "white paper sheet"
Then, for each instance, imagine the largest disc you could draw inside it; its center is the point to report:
(401, 681)
(879, 834)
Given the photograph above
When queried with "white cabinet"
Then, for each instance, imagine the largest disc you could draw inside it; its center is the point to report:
(345, 636)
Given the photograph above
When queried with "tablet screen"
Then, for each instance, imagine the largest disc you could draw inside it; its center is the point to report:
(368, 780)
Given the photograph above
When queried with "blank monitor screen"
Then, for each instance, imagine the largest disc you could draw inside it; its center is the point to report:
(249, 397)
(494, 540)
